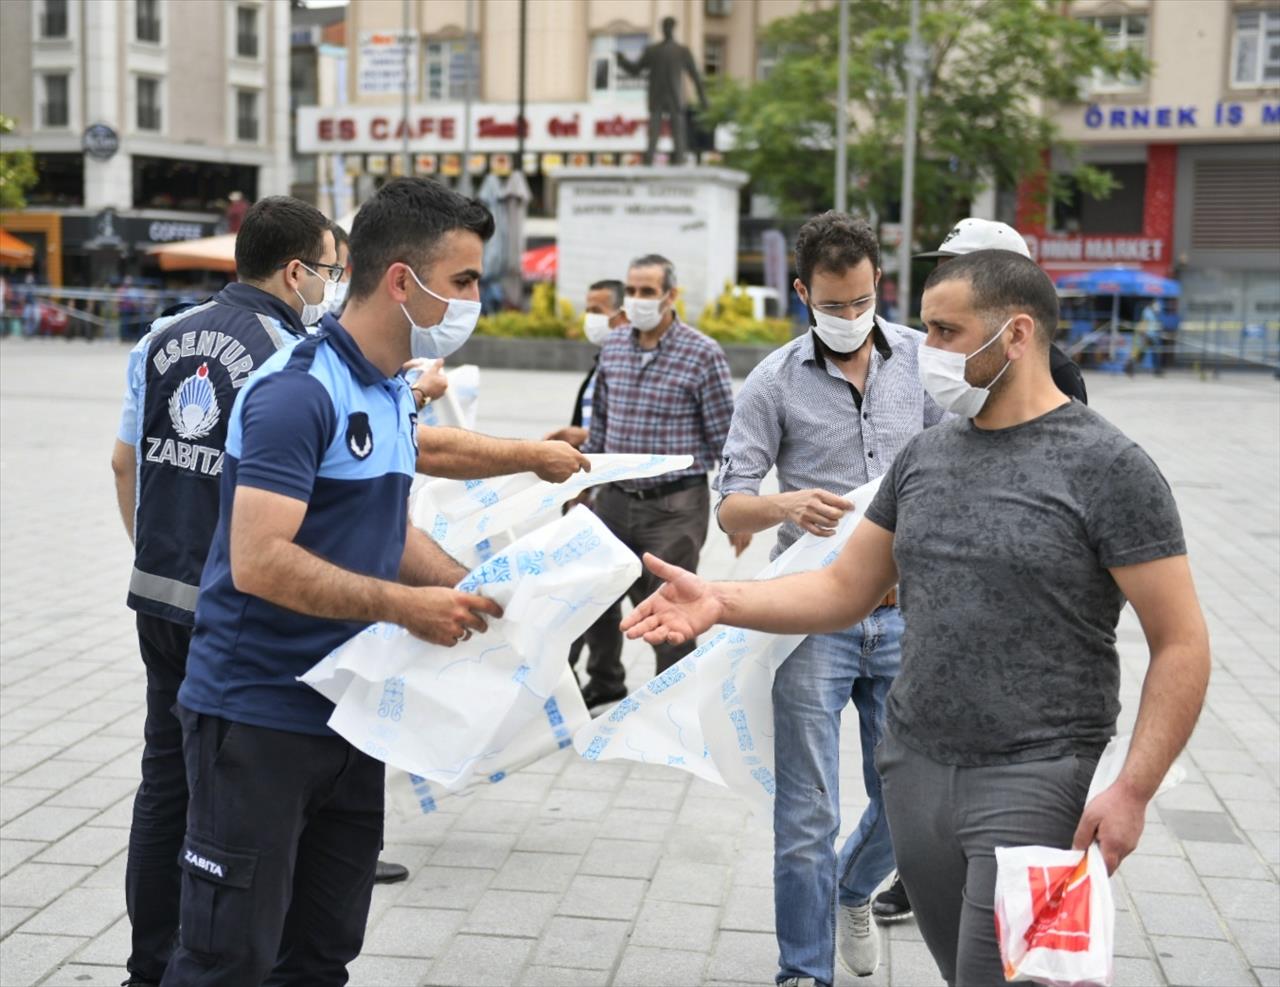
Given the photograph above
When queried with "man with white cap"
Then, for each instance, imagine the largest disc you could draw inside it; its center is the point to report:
(973, 234)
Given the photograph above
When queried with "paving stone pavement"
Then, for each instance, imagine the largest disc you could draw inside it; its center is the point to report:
(572, 873)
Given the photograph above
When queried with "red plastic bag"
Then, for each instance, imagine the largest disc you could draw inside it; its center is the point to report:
(1055, 916)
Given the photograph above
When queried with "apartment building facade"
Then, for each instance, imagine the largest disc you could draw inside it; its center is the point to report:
(144, 117)
(1195, 148)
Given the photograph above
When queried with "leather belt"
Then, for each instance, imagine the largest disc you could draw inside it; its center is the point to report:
(665, 489)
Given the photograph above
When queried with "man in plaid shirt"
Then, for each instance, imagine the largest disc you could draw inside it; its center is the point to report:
(661, 388)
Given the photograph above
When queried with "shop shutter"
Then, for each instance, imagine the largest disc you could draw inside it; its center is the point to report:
(1236, 206)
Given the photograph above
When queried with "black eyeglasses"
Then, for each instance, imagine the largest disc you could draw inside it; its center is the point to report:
(333, 273)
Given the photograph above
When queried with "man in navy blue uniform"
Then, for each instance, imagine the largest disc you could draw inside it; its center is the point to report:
(313, 544)
(183, 378)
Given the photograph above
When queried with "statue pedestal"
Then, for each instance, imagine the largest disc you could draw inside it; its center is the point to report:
(607, 217)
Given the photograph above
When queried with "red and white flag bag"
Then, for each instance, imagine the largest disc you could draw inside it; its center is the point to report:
(1055, 917)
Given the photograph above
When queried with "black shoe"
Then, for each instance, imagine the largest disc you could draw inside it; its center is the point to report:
(137, 981)
(593, 695)
(388, 873)
(892, 905)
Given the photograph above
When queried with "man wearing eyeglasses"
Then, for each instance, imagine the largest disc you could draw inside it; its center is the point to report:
(183, 378)
(829, 410)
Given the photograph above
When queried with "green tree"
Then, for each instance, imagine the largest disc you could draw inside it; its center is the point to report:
(993, 72)
(17, 171)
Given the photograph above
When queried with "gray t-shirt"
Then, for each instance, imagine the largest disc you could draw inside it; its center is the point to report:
(1003, 539)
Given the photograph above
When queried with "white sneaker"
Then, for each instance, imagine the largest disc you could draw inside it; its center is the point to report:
(857, 940)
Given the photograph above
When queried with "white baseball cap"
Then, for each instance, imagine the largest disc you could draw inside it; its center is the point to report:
(972, 234)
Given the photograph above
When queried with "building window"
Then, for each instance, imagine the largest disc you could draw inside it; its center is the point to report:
(1120, 212)
(190, 186)
(247, 32)
(713, 55)
(607, 78)
(147, 21)
(718, 8)
(1255, 51)
(60, 180)
(148, 91)
(450, 69)
(53, 21)
(767, 55)
(1121, 33)
(247, 115)
(54, 111)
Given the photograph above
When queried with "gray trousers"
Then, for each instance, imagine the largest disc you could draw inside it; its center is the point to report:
(946, 822)
(673, 528)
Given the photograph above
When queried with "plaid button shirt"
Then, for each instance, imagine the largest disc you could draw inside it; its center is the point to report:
(676, 399)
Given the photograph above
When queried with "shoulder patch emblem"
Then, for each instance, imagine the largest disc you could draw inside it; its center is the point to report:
(193, 408)
(359, 435)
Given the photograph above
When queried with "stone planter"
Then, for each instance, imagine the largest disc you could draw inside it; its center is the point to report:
(569, 354)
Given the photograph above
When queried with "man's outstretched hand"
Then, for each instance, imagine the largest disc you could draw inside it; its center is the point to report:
(682, 608)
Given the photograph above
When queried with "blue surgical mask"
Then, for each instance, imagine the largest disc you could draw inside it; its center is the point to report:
(445, 338)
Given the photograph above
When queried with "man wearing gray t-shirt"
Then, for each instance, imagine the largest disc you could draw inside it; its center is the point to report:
(1016, 534)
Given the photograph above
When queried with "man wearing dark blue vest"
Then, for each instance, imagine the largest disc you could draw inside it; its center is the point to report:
(183, 378)
(313, 544)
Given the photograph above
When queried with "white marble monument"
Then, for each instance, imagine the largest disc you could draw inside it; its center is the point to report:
(608, 216)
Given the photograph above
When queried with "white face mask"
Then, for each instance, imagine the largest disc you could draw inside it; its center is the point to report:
(595, 326)
(942, 376)
(644, 313)
(314, 312)
(447, 336)
(339, 296)
(844, 335)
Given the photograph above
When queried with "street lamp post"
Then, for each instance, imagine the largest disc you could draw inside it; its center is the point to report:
(842, 113)
(916, 55)
(405, 83)
(465, 185)
(524, 34)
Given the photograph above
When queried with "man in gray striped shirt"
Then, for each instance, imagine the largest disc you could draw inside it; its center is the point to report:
(830, 410)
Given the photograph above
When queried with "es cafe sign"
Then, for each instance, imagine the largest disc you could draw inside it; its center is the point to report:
(495, 127)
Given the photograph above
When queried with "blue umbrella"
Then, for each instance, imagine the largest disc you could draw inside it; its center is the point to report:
(1118, 282)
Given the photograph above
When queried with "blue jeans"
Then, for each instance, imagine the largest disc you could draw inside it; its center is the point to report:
(810, 691)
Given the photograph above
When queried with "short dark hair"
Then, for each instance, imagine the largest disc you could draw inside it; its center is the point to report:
(403, 224)
(1002, 282)
(834, 242)
(657, 260)
(276, 230)
(616, 288)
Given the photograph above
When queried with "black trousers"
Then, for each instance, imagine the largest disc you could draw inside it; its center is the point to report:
(283, 831)
(152, 880)
(673, 528)
(603, 642)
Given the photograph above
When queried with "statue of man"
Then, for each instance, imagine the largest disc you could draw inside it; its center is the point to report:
(666, 61)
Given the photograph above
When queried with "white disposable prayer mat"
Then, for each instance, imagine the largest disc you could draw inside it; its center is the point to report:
(469, 714)
(459, 406)
(711, 713)
(471, 519)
